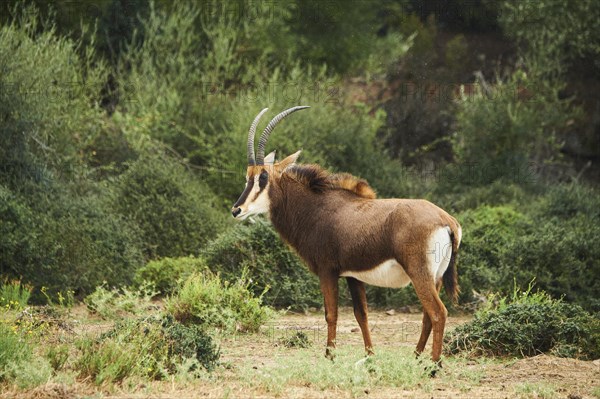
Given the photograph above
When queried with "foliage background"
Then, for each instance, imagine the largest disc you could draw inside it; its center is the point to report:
(123, 124)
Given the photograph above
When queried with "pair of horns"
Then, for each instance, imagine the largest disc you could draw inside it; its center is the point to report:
(260, 155)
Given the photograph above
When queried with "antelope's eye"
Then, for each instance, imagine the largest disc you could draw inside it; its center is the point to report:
(263, 179)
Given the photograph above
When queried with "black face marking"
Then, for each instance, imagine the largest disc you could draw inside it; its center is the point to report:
(263, 179)
(245, 193)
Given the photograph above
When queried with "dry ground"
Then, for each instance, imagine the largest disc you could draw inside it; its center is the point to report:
(253, 365)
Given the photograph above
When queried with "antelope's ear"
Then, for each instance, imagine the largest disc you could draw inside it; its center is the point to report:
(289, 161)
(270, 158)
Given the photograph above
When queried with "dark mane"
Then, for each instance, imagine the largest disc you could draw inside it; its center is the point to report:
(320, 180)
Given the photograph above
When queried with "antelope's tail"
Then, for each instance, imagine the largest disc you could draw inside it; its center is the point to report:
(450, 278)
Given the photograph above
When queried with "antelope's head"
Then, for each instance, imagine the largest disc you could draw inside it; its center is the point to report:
(262, 170)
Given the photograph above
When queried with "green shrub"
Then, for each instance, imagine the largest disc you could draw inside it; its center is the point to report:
(57, 229)
(526, 325)
(271, 265)
(562, 252)
(553, 29)
(191, 342)
(487, 233)
(49, 109)
(346, 39)
(168, 273)
(562, 202)
(512, 131)
(498, 193)
(551, 238)
(380, 297)
(118, 303)
(297, 340)
(176, 213)
(65, 242)
(207, 300)
(149, 348)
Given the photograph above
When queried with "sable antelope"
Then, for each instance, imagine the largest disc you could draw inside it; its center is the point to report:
(339, 229)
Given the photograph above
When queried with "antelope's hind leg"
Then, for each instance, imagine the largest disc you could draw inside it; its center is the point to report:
(425, 332)
(359, 302)
(426, 327)
(329, 288)
(435, 309)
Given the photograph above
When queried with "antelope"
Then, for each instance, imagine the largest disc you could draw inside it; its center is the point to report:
(337, 226)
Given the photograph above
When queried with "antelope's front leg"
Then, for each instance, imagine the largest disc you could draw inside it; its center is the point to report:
(329, 288)
(359, 302)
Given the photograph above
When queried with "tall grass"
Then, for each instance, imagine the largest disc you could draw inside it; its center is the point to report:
(14, 294)
(18, 363)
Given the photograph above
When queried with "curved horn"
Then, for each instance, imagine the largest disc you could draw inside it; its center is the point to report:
(260, 156)
(251, 134)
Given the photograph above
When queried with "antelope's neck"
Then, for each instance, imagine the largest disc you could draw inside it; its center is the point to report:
(293, 212)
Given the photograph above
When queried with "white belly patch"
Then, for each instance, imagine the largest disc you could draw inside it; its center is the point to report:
(388, 274)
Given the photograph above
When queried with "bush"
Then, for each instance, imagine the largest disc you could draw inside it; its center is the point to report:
(526, 325)
(344, 38)
(488, 232)
(118, 303)
(277, 273)
(207, 300)
(512, 131)
(176, 213)
(64, 242)
(49, 109)
(57, 229)
(297, 340)
(552, 28)
(168, 273)
(498, 193)
(562, 252)
(551, 239)
(150, 348)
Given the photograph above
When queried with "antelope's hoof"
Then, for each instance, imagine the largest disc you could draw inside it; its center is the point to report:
(437, 366)
(329, 354)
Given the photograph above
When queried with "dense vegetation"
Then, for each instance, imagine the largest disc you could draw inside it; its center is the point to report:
(122, 143)
(528, 324)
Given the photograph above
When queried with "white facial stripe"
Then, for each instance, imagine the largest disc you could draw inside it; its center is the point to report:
(257, 201)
